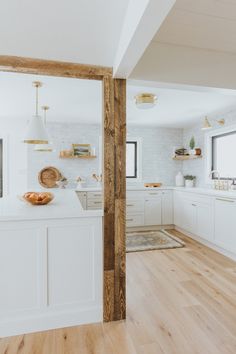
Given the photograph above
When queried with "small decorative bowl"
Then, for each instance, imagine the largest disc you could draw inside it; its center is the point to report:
(36, 198)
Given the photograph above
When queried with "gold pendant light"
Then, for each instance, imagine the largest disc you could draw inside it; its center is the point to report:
(37, 133)
(206, 124)
(44, 147)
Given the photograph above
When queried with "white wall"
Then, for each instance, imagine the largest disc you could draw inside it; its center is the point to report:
(197, 167)
(157, 151)
(62, 136)
(15, 154)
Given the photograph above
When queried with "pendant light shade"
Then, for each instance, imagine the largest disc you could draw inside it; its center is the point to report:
(206, 124)
(36, 133)
(48, 146)
(145, 100)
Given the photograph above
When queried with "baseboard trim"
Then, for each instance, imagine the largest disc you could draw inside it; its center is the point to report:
(152, 227)
(47, 321)
(209, 244)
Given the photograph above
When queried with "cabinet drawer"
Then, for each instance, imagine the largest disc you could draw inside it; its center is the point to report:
(135, 220)
(94, 195)
(134, 206)
(152, 194)
(94, 204)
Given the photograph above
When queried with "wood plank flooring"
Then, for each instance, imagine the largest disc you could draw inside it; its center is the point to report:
(180, 301)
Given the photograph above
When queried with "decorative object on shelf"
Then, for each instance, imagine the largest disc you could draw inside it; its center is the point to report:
(81, 149)
(179, 180)
(181, 152)
(37, 133)
(145, 100)
(66, 154)
(207, 125)
(192, 146)
(48, 177)
(62, 183)
(198, 151)
(44, 147)
(152, 185)
(36, 198)
(189, 181)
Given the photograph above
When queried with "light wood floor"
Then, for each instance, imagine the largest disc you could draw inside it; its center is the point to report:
(180, 301)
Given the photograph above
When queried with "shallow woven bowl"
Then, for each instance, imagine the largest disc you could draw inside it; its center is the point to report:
(44, 198)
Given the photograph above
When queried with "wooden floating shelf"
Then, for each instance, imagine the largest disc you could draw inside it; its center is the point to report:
(187, 157)
(79, 157)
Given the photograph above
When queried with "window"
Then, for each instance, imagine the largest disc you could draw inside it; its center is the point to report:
(131, 159)
(1, 168)
(223, 155)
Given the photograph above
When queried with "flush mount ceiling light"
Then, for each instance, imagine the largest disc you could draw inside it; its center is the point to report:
(145, 100)
(37, 133)
(44, 147)
(206, 124)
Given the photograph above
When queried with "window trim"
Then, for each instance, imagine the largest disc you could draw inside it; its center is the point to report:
(139, 142)
(209, 151)
(135, 158)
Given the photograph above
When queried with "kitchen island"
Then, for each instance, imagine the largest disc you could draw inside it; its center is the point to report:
(51, 264)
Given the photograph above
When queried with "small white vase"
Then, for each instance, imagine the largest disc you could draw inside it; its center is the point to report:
(189, 183)
(192, 152)
(179, 180)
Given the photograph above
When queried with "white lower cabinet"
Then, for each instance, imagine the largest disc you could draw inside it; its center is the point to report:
(225, 223)
(167, 207)
(195, 214)
(152, 214)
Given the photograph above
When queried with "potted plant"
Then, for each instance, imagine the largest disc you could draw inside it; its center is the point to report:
(192, 146)
(189, 181)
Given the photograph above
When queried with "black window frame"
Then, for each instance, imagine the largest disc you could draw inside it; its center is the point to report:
(135, 158)
(213, 155)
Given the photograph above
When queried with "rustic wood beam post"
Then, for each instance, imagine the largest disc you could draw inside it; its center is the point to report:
(114, 198)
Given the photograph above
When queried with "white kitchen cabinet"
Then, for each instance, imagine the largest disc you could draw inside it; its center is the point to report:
(178, 208)
(167, 207)
(189, 220)
(225, 223)
(205, 220)
(152, 210)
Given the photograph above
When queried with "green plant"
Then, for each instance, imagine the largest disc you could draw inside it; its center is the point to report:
(190, 177)
(192, 143)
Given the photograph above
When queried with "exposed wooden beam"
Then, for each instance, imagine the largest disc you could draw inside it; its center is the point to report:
(142, 21)
(53, 68)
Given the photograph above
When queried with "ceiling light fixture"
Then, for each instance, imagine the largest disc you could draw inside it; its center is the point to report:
(44, 147)
(145, 100)
(206, 124)
(37, 133)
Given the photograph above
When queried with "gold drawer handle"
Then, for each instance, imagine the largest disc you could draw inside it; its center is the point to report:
(129, 205)
(129, 219)
(97, 202)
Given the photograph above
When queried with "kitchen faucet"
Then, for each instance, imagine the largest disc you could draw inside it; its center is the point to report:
(216, 183)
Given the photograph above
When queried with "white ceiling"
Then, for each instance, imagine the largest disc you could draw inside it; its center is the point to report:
(208, 24)
(73, 100)
(72, 30)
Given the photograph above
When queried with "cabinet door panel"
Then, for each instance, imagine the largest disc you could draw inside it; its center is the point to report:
(189, 215)
(20, 269)
(205, 221)
(225, 223)
(153, 211)
(73, 270)
(167, 208)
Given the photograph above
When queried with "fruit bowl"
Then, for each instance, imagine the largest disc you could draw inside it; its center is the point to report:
(36, 198)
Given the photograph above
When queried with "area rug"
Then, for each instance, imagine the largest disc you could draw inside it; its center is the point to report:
(151, 240)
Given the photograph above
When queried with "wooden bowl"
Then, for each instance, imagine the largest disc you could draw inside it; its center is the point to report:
(36, 198)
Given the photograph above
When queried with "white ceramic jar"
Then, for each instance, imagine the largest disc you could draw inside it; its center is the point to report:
(179, 180)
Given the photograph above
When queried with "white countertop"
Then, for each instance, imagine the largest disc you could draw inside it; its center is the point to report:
(205, 191)
(66, 204)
